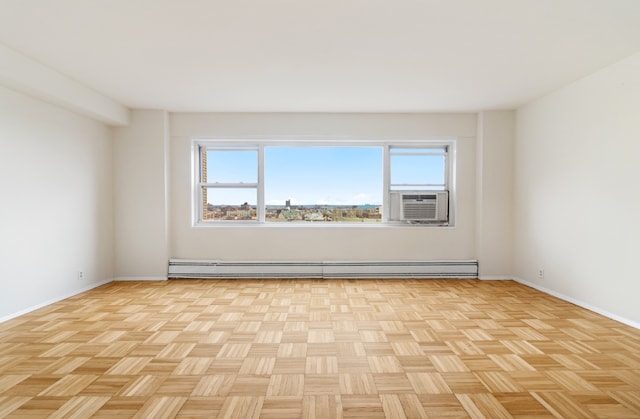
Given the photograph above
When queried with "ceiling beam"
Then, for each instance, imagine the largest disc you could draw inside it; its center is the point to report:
(21, 73)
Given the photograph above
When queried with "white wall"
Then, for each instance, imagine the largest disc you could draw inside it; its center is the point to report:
(141, 166)
(577, 200)
(494, 194)
(322, 242)
(56, 202)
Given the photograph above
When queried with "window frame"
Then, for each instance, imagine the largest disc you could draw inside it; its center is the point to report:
(197, 144)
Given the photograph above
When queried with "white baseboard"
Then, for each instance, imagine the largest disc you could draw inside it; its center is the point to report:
(495, 278)
(55, 300)
(140, 278)
(580, 303)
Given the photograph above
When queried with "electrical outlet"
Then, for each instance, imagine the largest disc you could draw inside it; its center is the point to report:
(540, 273)
(80, 275)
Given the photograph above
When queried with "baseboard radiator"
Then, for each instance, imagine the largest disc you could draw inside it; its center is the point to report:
(191, 268)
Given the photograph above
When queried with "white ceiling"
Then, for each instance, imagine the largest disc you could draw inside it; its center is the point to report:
(322, 55)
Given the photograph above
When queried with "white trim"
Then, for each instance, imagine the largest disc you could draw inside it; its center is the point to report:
(55, 300)
(450, 181)
(300, 224)
(322, 140)
(495, 278)
(140, 278)
(579, 303)
(229, 185)
(386, 184)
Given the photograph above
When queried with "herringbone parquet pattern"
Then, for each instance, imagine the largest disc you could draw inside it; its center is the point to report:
(318, 349)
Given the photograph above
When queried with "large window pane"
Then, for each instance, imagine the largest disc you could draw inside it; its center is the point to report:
(231, 166)
(230, 203)
(323, 184)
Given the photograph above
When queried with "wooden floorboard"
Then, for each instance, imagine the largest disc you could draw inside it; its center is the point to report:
(318, 349)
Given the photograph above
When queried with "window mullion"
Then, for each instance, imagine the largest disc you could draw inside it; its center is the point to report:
(261, 208)
(416, 184)
(386, 183)
(230, 185)
(200, 163)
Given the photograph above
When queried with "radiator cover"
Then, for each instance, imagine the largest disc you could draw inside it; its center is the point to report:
(194, 268)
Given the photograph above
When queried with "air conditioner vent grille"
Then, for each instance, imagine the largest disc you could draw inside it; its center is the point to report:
(420, 210)
(423, 207)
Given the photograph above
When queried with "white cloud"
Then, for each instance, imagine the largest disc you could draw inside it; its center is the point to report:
(361, 198)
(294, 201)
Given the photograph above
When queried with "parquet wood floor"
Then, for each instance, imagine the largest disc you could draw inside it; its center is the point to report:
(318, 349)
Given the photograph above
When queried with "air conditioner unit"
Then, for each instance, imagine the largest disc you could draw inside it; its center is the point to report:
(425, 206)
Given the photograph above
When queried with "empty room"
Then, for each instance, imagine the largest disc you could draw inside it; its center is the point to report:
(336, 209)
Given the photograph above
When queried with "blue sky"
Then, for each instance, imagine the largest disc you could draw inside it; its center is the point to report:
(323, 175)
(304, 175)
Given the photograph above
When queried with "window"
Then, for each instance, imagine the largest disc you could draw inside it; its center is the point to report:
(418, 168)
(229, 183)
(277, 182)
